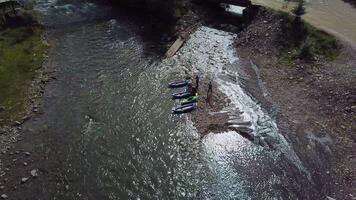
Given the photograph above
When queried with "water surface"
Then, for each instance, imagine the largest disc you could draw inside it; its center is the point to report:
(107, 131)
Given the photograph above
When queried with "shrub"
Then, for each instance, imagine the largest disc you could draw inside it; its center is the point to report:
(305, 51)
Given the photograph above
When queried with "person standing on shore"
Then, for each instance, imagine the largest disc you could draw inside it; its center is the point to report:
(210, 92)
(197, 82)
(190, 87)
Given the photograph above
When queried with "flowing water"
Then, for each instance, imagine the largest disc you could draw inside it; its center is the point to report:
(107, 131)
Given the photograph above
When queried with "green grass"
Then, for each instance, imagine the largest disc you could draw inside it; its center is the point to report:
(21, 54)
(323, 43)
(315, 43)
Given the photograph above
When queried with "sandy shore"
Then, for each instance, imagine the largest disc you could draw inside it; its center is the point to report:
(209, 116)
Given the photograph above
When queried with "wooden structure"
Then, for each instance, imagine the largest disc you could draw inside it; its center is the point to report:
(182, 38)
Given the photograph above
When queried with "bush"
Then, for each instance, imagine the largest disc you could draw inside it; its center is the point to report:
(298, 31)
(303, 39)
(305, 51)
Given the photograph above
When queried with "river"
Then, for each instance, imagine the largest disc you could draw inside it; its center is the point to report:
(105, 129)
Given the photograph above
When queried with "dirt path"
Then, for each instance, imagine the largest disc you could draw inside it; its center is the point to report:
(333, 16)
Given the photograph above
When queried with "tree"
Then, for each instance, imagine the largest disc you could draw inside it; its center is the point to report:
(299, 10)
(299, 32)
(305, 51)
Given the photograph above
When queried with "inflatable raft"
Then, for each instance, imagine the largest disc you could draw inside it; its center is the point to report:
(181, 95)
(192, 99)
(178, 83)
(184, 109)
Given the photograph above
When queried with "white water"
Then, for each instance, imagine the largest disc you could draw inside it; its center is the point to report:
(210, 53)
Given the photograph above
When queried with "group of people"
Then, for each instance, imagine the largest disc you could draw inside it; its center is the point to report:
(194, 90)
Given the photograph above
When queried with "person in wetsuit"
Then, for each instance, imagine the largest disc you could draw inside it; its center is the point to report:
(210, 92)
(197, 82)
(194, 91)
(210, 89)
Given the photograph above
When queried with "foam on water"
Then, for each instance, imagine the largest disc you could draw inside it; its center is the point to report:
(209, 52)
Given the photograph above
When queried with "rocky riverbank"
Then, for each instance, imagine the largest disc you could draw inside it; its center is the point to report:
(22, 84)
(315, 98)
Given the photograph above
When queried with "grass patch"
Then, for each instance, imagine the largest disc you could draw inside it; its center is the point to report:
(21, 54)
(323, 43)
(313, 43)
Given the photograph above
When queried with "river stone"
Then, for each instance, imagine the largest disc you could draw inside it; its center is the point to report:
(329, 198)
(24, 180)
(34, 173)
(4, 196)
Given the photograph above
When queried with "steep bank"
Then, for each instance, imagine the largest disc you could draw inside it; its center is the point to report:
(316, 99)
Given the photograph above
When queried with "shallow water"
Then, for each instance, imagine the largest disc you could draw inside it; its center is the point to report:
(107, 131)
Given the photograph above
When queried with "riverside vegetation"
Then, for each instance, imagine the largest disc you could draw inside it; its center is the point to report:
(21, 55)
(300, 40)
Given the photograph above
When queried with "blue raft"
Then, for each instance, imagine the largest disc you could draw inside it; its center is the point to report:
(184, 109)
(178, 83)
(181, 95)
